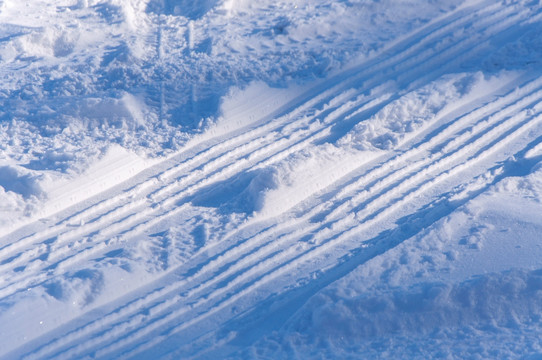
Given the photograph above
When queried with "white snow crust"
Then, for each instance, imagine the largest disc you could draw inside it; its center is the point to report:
(235, 179)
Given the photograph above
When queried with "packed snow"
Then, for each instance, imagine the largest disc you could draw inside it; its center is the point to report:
(305, 179)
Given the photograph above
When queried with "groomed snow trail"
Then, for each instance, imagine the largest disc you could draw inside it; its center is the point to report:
(266, 259)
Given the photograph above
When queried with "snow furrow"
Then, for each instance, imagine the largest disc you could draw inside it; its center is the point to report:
(411, 75)
(397, 178)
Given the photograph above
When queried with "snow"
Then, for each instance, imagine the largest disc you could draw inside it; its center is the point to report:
(467, 286)
(270, 179)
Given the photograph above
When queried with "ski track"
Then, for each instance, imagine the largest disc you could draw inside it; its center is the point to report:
(255, 261)
(137, 205)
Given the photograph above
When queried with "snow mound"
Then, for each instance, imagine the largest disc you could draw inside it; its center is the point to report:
(21, 190)
(302, 174)
(416, 109)
(21, 181)
(124, 111)
(270, 190)
(243, 106)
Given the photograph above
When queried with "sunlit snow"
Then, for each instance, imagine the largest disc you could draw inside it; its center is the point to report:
(257, 179)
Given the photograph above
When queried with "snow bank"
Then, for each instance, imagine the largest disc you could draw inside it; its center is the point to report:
(149, 76)
(417, 109)
(301, 175)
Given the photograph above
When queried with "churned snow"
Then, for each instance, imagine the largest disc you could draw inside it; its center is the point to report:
(305, 179)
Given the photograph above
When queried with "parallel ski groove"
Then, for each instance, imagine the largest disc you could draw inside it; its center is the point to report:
(173, 199)
(115, 227)
(425, 32)
(308, 105)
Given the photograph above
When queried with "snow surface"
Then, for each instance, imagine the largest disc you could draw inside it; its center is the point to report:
(305, 179)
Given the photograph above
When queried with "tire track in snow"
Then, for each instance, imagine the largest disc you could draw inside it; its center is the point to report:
(285, 266)
(381, 178)
(173, 199)
(501, 113)
(107, 213)
(177, 197)
(107, 207)
(219, 276)
(530, 94)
